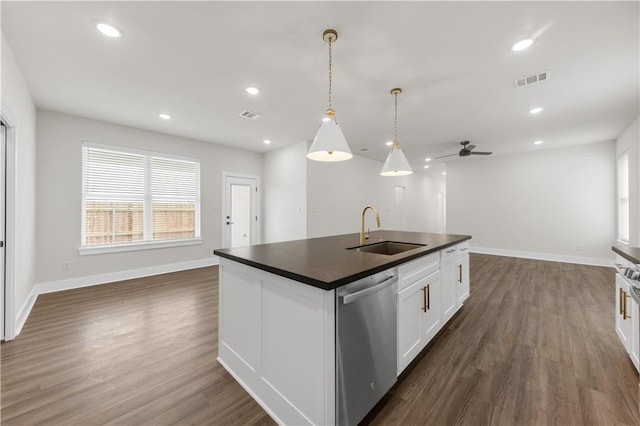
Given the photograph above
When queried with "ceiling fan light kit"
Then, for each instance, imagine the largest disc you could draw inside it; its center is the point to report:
(329, 143)
(396, 164)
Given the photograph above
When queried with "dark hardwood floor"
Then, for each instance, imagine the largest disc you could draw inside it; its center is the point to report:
(534, 345)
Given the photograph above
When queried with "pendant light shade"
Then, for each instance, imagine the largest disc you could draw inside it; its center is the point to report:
(329, 143)
(396, 164)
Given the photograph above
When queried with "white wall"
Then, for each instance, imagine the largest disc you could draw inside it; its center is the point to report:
(19, 107)
(556, 204)
(630, 141)
(59, 163)
(284, 194)
(337, 193)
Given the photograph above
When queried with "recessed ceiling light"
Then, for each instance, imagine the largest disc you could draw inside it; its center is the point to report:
(444, 173)
(108, 30)
(164, 116)
(536, 110)
(538, 142)
(266, 141)
(427, 159)
(252, 90)
(522, 44)
(426, 167)
(388, 143)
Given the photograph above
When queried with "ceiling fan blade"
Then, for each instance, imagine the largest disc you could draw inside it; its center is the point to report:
(444, 156)
(480, 153)
(469, 147)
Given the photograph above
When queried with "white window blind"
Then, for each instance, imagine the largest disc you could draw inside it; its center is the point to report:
(132, 197)
(623, 197)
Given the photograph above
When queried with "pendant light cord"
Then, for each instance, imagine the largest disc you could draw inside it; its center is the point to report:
(330, 71)
(395, 120)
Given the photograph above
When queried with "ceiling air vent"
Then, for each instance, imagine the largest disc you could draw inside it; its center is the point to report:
(250, 114)
(535, 78)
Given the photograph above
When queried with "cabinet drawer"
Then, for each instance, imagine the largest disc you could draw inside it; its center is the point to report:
(462, 249)
(410, 272)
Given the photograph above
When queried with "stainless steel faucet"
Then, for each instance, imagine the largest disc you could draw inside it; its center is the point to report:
(365, 236)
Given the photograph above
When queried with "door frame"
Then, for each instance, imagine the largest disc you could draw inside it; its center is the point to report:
(10, 226)
(223, 211)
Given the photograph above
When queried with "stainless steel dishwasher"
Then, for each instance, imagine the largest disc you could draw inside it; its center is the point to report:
(366, 344)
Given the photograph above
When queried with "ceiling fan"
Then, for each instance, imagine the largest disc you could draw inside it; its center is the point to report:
(465, 151)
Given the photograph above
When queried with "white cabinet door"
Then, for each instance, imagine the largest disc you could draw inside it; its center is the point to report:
(449, 281)
(419, 317)
(623, 312)
(635, 332)
(462, 279)
(410, 315)
(432, 307)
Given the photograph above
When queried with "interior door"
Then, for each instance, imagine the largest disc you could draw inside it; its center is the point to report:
(3, 145)
(399, 208)
(240, 211)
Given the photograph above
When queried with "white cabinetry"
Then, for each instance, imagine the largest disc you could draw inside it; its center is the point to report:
(431, 289)
(627, 316)
(462, 278)
(449, 281)
(623, 315)
(419, 307)
(634, 351)
(277, 338)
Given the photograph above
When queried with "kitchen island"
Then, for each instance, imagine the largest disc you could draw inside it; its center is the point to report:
(278, 307)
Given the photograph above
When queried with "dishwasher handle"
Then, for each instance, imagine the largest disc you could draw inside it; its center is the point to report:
(352, 297)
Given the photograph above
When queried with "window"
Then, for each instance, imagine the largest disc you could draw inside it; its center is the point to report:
(135, 199)
(623, 197)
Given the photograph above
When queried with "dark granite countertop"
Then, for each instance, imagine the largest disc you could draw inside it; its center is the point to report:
(632, 254)
(325, 263)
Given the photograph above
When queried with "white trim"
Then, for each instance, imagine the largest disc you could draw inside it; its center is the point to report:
(595, 261)
(88, 281)
(52, 286)
(10, 224)
(143, 245)
(25, 310)
(256, 227)
(247, 388)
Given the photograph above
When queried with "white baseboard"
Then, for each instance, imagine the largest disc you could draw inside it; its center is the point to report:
(594, 261)
(91, 280)
(25, 310)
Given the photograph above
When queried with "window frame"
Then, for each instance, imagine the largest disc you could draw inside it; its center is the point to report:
(624, 239)
(145, 244)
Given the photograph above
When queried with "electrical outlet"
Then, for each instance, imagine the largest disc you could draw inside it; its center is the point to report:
(579, 247)
(66, 266)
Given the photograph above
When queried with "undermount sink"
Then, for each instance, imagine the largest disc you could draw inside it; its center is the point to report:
(387, 247)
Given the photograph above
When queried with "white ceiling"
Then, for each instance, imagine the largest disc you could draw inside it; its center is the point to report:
(453, 61)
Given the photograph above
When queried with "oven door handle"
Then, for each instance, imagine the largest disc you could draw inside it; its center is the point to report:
(353, 297)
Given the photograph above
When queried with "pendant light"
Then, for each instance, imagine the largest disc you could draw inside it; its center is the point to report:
(329, 143)
(396, 164)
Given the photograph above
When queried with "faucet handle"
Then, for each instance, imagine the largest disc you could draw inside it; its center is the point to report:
(366, 235)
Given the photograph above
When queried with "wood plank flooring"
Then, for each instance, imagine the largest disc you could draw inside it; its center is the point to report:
(534, 345)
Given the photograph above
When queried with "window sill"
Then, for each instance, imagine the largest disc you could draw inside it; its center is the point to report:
(145, 245)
